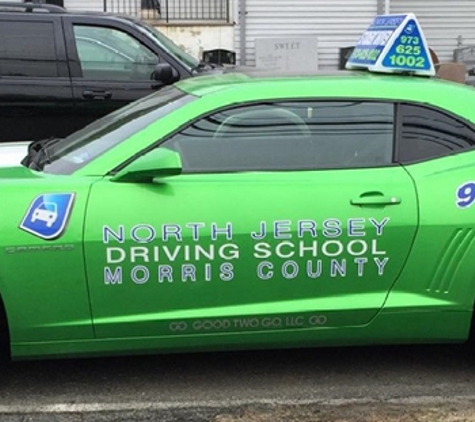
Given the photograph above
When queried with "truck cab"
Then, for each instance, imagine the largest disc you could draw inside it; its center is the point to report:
(60, 70)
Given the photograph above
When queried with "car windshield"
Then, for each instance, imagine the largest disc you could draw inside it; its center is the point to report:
(67, 155)
(168, 45)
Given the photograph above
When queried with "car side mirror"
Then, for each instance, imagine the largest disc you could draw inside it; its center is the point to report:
(165, 73)
(158, 163)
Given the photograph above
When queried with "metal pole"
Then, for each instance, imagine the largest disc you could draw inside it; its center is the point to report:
(383, 7)
(242, 32)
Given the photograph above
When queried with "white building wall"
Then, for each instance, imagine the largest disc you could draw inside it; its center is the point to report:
(96, 5)
(336, 24)
(129, 7)
(196, 39)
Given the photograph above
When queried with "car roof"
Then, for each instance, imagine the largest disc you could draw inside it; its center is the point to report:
(368, 82)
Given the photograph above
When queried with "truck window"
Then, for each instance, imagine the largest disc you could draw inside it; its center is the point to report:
(28, 49)
(110, 54)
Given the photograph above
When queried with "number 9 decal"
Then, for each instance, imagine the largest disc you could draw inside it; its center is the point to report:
(466, 195)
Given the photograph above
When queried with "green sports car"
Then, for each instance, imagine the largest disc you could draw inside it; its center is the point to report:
(242, 211)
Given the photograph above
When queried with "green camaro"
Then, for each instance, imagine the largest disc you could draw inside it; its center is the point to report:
(237, 211)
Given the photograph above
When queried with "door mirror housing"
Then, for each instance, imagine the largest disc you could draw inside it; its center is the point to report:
(165, 73)
(158, 163)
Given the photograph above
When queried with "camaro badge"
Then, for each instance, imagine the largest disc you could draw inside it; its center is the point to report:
(48, 215)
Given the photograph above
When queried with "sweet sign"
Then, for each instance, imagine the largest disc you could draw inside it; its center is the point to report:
(393, 44)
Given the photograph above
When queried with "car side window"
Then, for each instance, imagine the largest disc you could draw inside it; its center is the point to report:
(302, 135)
(28, 49)
(110, 54)
(428, 133)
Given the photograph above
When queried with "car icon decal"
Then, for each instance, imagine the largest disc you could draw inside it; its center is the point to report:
(48, 215)
(46, 212)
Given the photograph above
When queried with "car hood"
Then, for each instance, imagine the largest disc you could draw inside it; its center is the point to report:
(16, 172)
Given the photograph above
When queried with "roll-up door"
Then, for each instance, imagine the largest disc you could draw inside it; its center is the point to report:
(444, 23)
(335, 23)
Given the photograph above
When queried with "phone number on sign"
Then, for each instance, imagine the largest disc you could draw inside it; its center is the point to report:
(408, 53)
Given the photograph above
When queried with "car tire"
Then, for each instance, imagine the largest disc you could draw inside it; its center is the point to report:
(4, 334)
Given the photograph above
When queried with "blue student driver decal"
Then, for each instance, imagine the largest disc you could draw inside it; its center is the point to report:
(48, 215)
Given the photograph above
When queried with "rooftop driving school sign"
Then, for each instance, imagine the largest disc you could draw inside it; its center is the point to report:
(393, 44)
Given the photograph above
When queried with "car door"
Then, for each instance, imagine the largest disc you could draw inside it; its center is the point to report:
(287, 215)
(35, 89)
(111, 66)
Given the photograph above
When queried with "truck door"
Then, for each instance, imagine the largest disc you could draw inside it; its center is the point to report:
(111, 66)
(35, 89)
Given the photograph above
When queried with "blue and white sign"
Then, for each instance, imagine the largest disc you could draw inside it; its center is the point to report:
(392, 44)
(48, 215)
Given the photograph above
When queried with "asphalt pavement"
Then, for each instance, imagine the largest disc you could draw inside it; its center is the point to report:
(332, 384)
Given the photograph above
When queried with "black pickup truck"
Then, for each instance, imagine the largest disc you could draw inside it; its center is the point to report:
(60, 70)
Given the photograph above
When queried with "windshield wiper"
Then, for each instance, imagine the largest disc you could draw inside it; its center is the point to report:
(38, 153)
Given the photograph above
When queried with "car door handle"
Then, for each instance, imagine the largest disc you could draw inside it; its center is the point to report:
(376, 199)
(97, 95)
